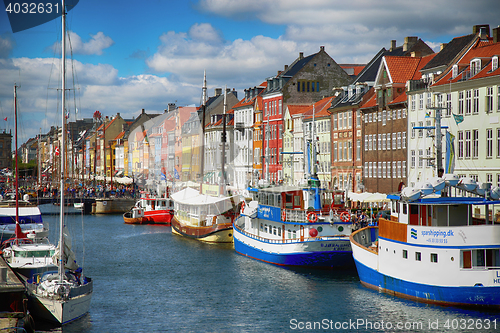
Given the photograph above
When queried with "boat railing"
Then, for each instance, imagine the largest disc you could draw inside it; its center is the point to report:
(289, 240)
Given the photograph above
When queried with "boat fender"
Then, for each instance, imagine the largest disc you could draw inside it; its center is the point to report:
(283, 216)
(313, 232)
(312, 217)
(345, 217)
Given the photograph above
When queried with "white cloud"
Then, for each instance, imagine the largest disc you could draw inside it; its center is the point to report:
(94, 46)
(6, 45)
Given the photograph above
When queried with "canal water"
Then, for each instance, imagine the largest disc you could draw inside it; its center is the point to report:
(148, 280)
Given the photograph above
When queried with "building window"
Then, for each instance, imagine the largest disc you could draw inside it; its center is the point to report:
(467, 152)
(489, 143)
(434, 257)
(468, 102)
(358, 150)
(475, 143)
(461, 102)
(498, 142)
(384, 169)
(421, 101)
(420, 130)
(460, 146)
(394, 169)
(475, 106)
(366, 170)
(412, 161)
(403, 167)
(494, 63)
(448, 105)
(412, 125)
(412, 103)
(404, 140)
(489, 99)
(399, 169)
(399, 140)
(420, 158)
(383, 141)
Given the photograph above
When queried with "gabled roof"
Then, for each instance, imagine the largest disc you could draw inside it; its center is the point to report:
(320, 108)
(450, 51)
(297, 109)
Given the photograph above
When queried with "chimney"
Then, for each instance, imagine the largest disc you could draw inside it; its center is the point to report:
(495, 34)
(142, 111)
(322, 49)
(286, 67)
(218, 91)
(279, 72)
(409, 42)
(117, 114)
(301, 55)
(393, 45)
(443, 45)
(415, 54)
(477, 28)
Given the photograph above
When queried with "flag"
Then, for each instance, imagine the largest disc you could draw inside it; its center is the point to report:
(450, 152)
(163, 176)
(5, 118)
(176, 174)
(458, 118)
(19, 232)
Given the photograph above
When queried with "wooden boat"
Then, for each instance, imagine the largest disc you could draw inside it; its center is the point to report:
(203, 217)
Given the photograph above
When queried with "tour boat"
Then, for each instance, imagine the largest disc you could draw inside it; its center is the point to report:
(204, 217)
(150, 210)
(294, 226)
(440, 246)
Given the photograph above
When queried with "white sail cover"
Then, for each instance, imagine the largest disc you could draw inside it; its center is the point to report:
(69, 255)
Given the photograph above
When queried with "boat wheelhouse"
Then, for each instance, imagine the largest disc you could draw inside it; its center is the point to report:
(150, 210)
(438, 248)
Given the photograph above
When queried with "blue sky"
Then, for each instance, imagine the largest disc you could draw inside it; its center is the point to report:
(131, 54)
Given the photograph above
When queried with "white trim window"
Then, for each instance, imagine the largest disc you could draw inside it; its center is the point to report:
(489, 100)
(489, 143)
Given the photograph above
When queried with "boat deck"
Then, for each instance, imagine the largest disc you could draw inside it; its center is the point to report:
(9, 282)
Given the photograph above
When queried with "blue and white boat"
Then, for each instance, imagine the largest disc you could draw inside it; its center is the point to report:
(30, 219)
(294, 226)
(439, 249)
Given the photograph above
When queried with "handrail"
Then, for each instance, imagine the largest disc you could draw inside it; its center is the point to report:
(291, 240)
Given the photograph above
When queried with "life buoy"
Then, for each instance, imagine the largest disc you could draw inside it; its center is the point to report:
(345, 217)
(242, 206)
(312, 217)
(283, 216)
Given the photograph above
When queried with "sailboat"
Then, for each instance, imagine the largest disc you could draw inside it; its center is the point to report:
(63, 296)
(17, 213)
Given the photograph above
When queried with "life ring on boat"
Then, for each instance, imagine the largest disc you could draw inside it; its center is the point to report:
(242, 206)
(345, 217)
(312, 217)
(283, 216)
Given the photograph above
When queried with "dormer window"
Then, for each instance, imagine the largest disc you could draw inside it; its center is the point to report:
(494, 63)
(475, 66)
(454, 72)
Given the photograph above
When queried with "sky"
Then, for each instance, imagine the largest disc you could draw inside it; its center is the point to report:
(130, 55)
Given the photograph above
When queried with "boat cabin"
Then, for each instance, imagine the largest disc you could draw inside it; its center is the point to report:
(439, 212)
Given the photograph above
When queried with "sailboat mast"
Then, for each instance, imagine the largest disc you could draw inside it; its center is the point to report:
(202, 141)
(17, 167)
(223, 176)
(63, 142)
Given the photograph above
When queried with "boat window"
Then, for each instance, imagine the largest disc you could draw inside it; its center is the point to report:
(274, 231)
(261, 227)
(270, 200)
(289, 233)
(481, 258)
(434, 257)
(294, 234)
(279, 231)
(265, 228)
(296, 199)
(418, 256)
(31, 254)
(288, 200)
(405, 209)
(278, 200)
(405, 254)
